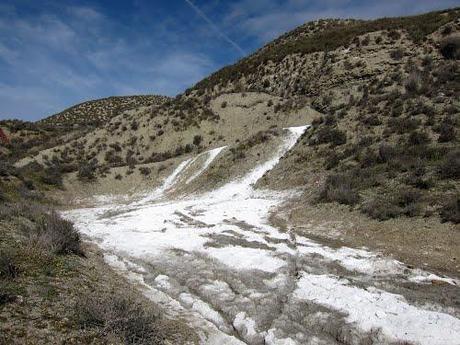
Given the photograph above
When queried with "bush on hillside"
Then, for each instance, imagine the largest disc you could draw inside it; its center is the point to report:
(450, 47)
(328, 135)
(413, 83)
(131, 321)
(87, 171)
(380, 208)
(52, 176)
(403, 125)
(338, 188)
(418, 138)
(8, 266)
(450, 211)
(397, 54)
(197, 139)
(145, 171)
(404, 201)
(447, 133)
(57, 235)
(450, 166)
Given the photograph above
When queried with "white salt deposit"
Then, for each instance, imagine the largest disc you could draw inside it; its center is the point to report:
(376, 309)
(150, 229)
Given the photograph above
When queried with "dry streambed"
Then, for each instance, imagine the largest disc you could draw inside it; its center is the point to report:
(214, 260)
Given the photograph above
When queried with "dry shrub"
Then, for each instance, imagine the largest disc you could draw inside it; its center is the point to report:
(380, 208)
(338, 188)
(57, 235)
(87, 171)
(120, 316)
(450, 47)
(145, 171)
(414, 83)
(450, 211)
(330, 135)
(450, 166)
(404, 201)
(397, 54)
(447, 132)
(8, 267)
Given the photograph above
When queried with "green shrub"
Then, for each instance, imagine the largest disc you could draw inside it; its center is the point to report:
(403, 125)
(134, 125)
(403, 201)
(413, 83)
(369, 159)
(7, 169)
(394, 34)
(387, 152)
(52, 176)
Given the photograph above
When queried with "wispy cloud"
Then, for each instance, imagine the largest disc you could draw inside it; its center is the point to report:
(215, 27)
(52, 60)
(266, 19)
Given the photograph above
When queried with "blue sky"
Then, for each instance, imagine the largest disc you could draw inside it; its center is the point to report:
(54, 54)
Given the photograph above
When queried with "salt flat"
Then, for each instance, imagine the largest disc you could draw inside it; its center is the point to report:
(214, 259)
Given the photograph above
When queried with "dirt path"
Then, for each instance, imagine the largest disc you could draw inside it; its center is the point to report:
(214, 260)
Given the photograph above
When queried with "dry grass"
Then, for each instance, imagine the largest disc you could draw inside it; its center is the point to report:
(119, 316)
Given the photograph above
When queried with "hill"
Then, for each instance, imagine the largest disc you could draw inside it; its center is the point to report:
(96, 112)
(383, 93)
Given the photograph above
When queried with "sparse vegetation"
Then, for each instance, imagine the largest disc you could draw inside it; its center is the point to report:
(119, 316)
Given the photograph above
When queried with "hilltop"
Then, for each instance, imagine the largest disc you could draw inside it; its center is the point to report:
(97, 112)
